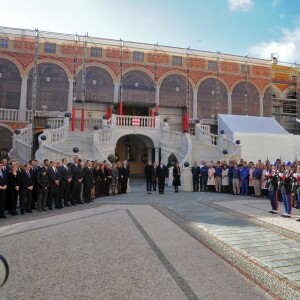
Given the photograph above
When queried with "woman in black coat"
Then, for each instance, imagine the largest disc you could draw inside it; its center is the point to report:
(14, 181)
(176, 177)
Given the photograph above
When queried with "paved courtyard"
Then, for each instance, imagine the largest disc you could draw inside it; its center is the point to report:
(139, 246)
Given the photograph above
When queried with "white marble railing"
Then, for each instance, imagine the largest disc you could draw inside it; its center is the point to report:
(22, 144)
(53, 154)
(178, 143)
(208, 122)
(45, 114)
(134, 121)
(105, 135)
(55, 136)
(55, 122)
(88, 123)
(234, 150)
(9, 114)
(205, 137)
(97, 143)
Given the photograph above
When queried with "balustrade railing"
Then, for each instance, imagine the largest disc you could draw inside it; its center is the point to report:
(88, 123)
(9, 114)
(105, 135)
(177, 143)
(205, 137)
(22, 144)
(134, 121)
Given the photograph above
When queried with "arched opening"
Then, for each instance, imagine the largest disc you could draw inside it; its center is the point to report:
(212, 99)
(137, 149)
(268, 96)
(5, 141)
(52, 88)
(138, 92)
(245, 99)
(99, 85)
(10, 85)
(173, 92)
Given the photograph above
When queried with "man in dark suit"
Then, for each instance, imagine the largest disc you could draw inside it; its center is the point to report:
(34, 170)
(88, 181)
(6, 167)
(3, 188)
(161, 173)
(27, 185)
(65, 183)
(125, 176)
(55, 178)
(77, 178)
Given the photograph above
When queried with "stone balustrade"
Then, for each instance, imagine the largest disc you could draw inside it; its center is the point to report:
(9, 114)
(134, 121)
(205, 137)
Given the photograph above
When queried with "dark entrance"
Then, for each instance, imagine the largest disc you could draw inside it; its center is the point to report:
(135, 111)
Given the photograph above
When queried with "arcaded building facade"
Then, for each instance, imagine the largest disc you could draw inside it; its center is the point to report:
(96, 76)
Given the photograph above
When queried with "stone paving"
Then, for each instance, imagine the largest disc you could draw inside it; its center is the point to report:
(181, 267)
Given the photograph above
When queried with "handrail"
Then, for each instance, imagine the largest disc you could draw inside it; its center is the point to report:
(9, 114)
(205, 137)
(134, 121)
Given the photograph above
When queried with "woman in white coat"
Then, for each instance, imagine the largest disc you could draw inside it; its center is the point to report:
(225, 181)
(211, 178)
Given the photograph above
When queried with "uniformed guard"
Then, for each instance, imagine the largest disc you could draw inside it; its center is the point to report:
(287, 182)
(273, 178)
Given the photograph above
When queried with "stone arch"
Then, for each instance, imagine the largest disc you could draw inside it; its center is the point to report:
(10, 84)
(99, 85)
(6, 134)
(174, 72)
(99, 65)
(13, 60)
(138, 87)
(243, 80)
(51, 61)
(139, 68)
(173, 91)
(52, 87)
(214, 77)
(207, 97)
(242, 94)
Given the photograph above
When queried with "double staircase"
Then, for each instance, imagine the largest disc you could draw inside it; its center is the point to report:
(58, 143)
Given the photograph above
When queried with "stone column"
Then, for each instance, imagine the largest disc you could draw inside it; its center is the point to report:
(157, 155)
(195, 108)
(150, 154)
(157, 96)
(261, 106)
(229, 105)
(23, 98)
(70, 95)
(116, 92)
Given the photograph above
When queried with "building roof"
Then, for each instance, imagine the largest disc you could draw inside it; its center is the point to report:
(250, 124)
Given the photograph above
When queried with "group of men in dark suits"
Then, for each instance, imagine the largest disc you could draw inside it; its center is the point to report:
(52, 185)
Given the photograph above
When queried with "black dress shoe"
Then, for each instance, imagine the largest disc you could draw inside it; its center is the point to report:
(50, 208)
(22, 212)
(67, 205)
(29, 211)
(73, 204)
(80, 202)
(2, 216)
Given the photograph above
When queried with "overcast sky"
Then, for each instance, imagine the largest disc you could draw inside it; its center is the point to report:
(242, 27)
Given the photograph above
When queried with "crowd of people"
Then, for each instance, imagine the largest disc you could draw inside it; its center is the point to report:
(278, 181)
(56, 184)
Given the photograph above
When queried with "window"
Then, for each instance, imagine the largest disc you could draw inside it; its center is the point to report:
(212, 65)
(49, 48)
(3, 42)
(138, 56)
(245, 69)
(96, 52)
(177, 61)
(294, 78)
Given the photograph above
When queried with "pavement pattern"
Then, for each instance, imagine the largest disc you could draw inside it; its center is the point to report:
(137, 246)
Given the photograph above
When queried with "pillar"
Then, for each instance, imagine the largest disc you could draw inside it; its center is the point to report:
(157, 155)
(23, 98)
(157, 98)
(149, 154)
(229, 105)
(116, 92)
(261, 106)
(70, 95)
(195, 108)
